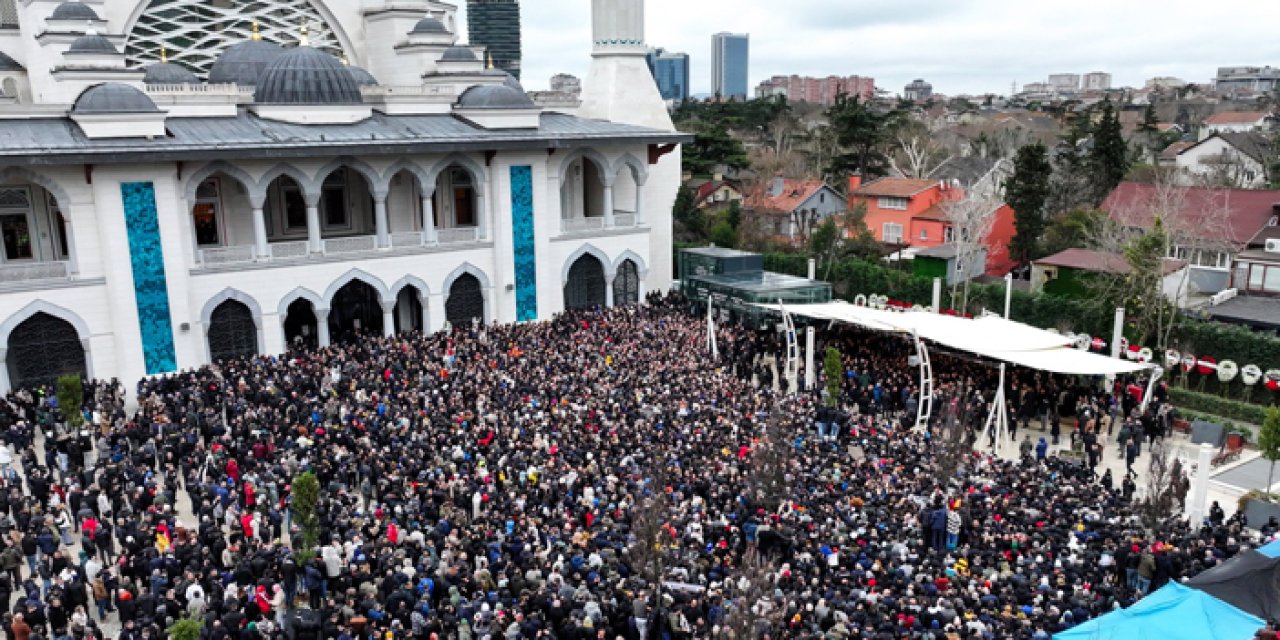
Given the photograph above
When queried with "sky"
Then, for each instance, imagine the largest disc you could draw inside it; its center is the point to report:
(966, 46)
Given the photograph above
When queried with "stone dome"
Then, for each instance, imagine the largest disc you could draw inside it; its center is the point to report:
(168, 73)
(458, 54)
(74, 10)
(92, 43)
(243, 63)
(362, 76)
(113, 98)
(494, 97)
(304, 75)
(429, 25)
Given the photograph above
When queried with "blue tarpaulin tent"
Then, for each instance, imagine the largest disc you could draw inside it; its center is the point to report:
(1174, 612)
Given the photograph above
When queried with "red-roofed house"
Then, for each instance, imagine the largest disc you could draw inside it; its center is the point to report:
(1235, 122)
(910, 212)
(790, 208)
(1216, 223)
(715, 193)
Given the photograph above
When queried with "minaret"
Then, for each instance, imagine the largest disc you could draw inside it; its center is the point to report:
(620, 88)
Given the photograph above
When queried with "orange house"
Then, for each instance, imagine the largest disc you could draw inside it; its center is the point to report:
(908, 212)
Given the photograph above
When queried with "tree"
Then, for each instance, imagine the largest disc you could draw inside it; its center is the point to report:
(1269, 441)
(1165, 482)
(712, 145)
(833, 370)
(1149, 120)
(1143, 296)
(972, 218)
(1027, 191)
(858, 239)
(305, 494)
(734, 215)
(1073, 229)
(824, 243)
(917, 152)
(724, 235)
(186, 629)
(1109, 158)
(862, 133)
(70, 395)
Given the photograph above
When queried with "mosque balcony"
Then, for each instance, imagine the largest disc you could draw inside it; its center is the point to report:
(26, 273)
(593, 224)
(362, 246)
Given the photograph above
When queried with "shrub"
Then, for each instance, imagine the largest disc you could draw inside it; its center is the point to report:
(1218, 406)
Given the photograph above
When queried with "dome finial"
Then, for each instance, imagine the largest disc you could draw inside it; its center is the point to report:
(257, 35)
(164, 56)
(303, 40)
(345, 62)
(490, 58)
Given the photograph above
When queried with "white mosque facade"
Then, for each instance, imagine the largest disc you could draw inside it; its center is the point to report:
(188, 180)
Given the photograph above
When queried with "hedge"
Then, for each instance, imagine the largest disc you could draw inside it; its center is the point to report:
(1218, 406)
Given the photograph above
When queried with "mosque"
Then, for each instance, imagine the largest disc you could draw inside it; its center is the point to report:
(183, 181)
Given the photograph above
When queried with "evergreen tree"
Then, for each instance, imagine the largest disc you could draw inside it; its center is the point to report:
(1149, 120)
(1109, 159)
(1026, 192)
(863, 133)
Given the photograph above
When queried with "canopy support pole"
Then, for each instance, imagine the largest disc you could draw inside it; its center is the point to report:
(1156, 372)
(810, 374)
(998, 418)
(924, 410)
(712, 347)
(1196, 511)
(791, 370)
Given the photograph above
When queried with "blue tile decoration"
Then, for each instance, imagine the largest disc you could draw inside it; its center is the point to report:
(523, 242)
(150, 287)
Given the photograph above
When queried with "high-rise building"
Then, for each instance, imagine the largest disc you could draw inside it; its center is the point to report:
(1097, 81)
(1065, 82)
(822, 91)
(495, 25)
(1258, 79)
(566, 83)
(918, 90)
(729, 64)
(671, 72)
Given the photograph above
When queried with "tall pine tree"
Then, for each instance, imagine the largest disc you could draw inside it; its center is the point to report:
(1109, 159)
(1026, 192)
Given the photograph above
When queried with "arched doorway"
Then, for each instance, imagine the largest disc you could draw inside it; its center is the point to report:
(626, 284)
(300, 325)
(356, 309)
(466, 301)
(41, 348)
(586, 286)
(232, 332)
(408, 312)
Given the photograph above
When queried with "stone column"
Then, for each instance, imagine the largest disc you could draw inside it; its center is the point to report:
(608, 206)
(608, 289)
(429, 220)
(389, 318)
(381, 228)
(322, 326)
(260, 249)
(314, 241)
(1198, 508)
(639, 204)
(483, 202)
(4, 370)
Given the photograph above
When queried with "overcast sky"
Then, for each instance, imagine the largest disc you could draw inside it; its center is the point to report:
(969, 46)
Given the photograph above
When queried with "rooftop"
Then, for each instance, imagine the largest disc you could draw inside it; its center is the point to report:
(895, 188)
(1099, 262)
(759, 281)
(1256, 311)
(794, 193)
(1225, 215)
(1235, 117)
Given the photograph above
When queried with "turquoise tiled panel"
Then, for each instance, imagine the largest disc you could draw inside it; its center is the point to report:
(150, 288)
(523, 241)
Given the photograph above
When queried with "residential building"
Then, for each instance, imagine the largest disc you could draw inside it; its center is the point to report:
(1253, 79)
(1067, 274)
(154, 222)
(1236, 122)
(1065, 82)
(912, 213)
(730, 62)
(495, 25)
(917, 91)
(1230, 159)
(567, 84)
(1165, 83)
(1097, 81)
(945, 261)
(1257, 268)
(715, 193)
(792, 208)
(822, 91)
(671, 72)
(1211, 223)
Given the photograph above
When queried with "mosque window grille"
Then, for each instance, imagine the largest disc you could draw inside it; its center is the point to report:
(626, 284)
(42, 348)
(586, 286)
(466, 301)
(232, 332)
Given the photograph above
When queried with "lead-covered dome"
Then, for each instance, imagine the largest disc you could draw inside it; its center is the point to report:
(168, 73)
(494, 97)
(362, 76)
(113, 98)
(243, 63)
(304, 75)
(458, 54)
(73, 10)
(429, 25)
(92, 43)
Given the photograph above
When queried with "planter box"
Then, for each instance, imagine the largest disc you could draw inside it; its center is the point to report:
(1256, 512)
(1235, 441)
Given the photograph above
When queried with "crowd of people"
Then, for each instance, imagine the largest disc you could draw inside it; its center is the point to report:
(594, 476)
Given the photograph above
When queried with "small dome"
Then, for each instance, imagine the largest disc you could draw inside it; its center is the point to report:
(307, 76)
(243, 63)
(113, 98)
(458, 54)
(9, 64)
(362, 77)
(168, 73)
(74, 10)
(494, 97)
(429, 25)
(92, 43)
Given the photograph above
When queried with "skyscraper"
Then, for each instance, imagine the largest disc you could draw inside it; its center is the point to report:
(495, 24)
(671, 72)
(729, 53)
